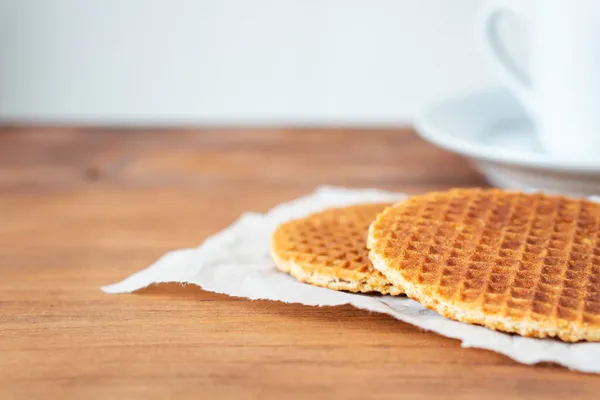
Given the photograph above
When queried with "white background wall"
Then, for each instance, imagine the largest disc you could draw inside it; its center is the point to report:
(234, 61)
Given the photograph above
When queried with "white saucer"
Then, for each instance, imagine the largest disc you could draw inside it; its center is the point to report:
(490, 128)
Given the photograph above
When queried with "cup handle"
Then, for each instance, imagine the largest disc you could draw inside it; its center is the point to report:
(515, 78)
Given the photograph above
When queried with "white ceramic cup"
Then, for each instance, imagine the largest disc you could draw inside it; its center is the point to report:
(561, 90)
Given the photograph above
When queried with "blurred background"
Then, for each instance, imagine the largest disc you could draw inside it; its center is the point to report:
(234, 62)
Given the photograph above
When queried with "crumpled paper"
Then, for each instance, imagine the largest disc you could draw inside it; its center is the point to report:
(236, 262)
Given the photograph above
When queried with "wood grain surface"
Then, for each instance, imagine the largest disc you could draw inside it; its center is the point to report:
(85, 207)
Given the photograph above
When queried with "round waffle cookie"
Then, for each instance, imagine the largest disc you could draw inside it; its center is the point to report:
(328, 249)
(514, 262)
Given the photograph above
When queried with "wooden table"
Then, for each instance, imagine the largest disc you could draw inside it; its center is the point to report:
(85, 207)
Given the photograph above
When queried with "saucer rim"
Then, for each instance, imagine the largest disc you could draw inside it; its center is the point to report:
(486, 152)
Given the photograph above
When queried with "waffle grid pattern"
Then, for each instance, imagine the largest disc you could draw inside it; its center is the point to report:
(329, 249)
(526, 263)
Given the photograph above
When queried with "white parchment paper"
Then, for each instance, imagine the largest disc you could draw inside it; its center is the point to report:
(236, 262)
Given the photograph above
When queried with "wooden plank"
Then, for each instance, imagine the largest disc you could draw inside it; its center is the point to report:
(85, 207)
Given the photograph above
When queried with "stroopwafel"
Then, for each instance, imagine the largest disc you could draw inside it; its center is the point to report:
(514, 262)
(328, 249)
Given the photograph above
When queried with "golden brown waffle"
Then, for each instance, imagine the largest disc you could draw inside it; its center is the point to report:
(514, 262)
(329, 249)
